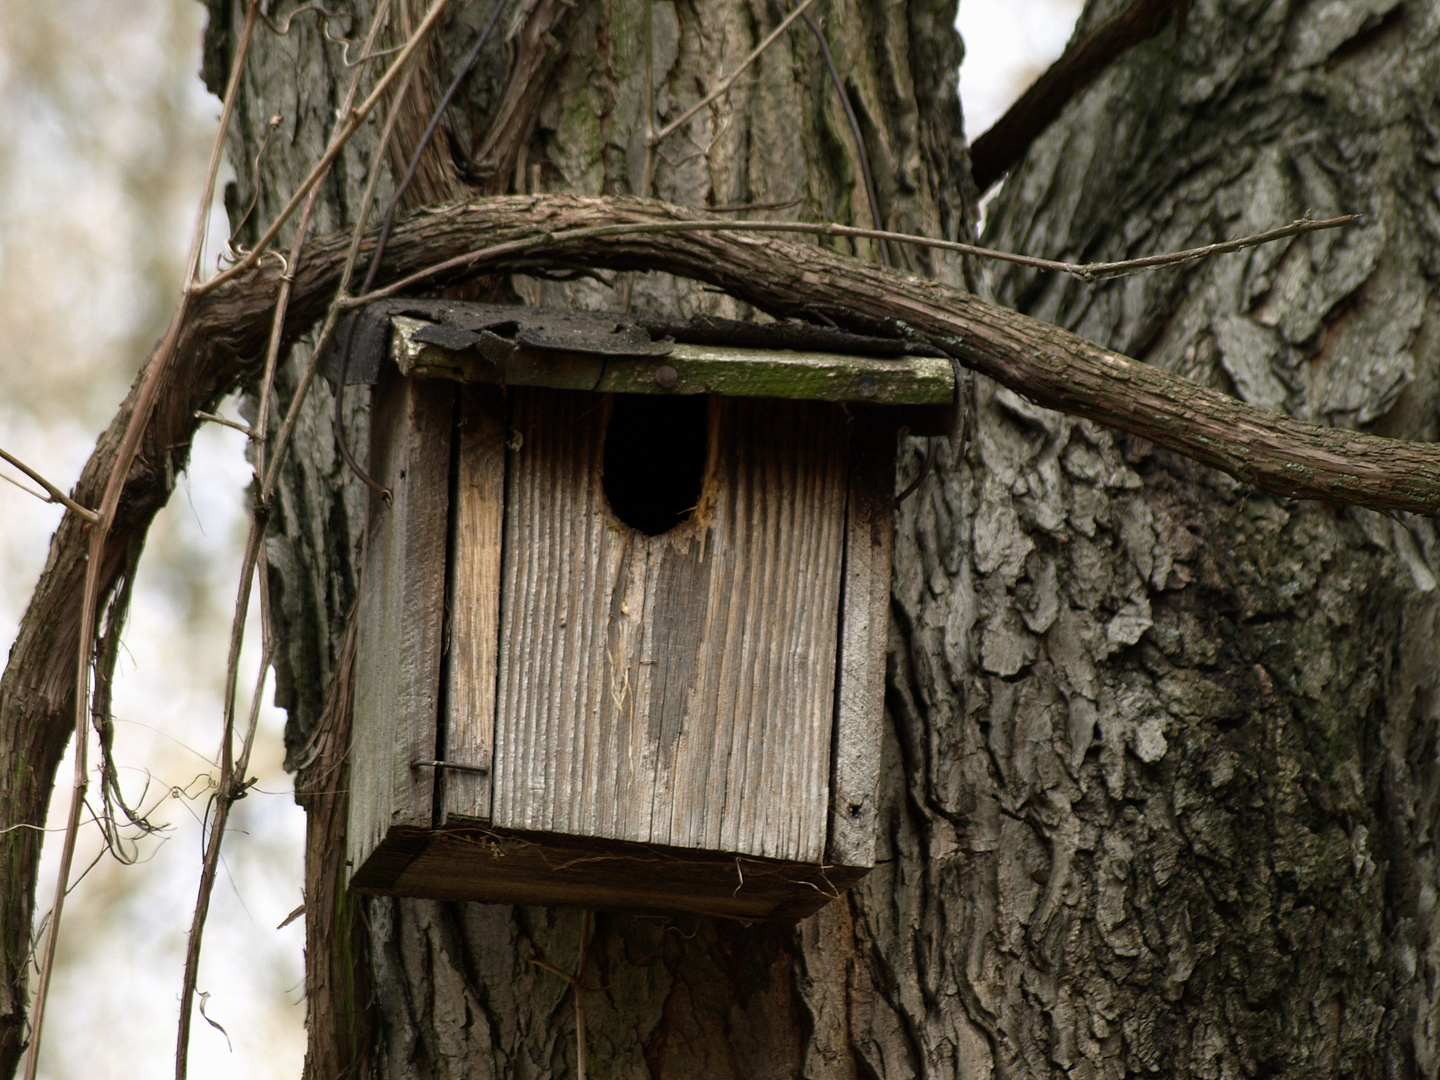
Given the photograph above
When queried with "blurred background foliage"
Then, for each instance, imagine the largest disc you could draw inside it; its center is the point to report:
(104, 132)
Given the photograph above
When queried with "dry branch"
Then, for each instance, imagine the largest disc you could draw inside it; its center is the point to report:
(52, 493)
(995, 152)
(98, 578)
(1087, 272)
(338, 141)
(1051, 366)
(222, 343)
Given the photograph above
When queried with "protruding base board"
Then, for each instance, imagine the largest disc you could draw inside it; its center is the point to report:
(505, 866)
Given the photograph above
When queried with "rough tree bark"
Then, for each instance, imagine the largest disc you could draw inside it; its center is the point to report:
(1191, 767)
(1161, 785)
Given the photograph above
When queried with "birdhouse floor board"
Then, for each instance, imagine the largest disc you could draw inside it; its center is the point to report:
(505, 866)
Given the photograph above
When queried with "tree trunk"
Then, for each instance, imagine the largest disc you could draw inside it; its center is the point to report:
(1159, 783)
(408, 987)
(1192, 763)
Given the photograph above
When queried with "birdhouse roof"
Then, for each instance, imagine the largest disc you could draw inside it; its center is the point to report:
(612, 353)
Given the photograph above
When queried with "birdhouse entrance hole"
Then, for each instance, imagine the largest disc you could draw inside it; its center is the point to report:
(655, 454)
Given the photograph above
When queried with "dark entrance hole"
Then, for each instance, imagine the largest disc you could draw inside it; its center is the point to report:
(655, 449)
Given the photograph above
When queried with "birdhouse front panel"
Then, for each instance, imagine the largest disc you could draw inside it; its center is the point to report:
(623, 648)
(677, 688)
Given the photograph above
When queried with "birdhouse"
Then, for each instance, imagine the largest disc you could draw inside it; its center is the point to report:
(623, 616)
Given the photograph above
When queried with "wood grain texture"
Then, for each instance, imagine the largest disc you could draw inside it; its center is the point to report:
(864, 632)
(786, 373)
(477, 523)
(674, 689)
(402, 593)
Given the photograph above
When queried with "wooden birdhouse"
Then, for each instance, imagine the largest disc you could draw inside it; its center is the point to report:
(623, 618)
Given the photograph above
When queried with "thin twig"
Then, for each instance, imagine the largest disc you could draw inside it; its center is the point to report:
(283, 29)
(28, 490)
(1089, 272)
(338, 418)
(215, 418)
(753, 207)
(580, 996)
(338, 142)
(434, 122)
(653, 138)
(325, 15)
(107, 655)
(338, 304)
(55, 495)
(228, 791)
(100, 532)
(659, 136)
(925, 467)
(270, 126)
(577, 988)
(647, 174)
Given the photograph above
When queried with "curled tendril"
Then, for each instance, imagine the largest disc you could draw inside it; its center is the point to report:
(325, 16)
(230, 245)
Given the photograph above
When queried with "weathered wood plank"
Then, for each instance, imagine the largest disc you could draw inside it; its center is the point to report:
(691, 369)
(864, 626)
(782, 373)
(476, 533)
(675, 689)
(402, 591)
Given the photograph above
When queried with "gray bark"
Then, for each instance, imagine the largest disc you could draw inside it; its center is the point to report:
(1160, 785)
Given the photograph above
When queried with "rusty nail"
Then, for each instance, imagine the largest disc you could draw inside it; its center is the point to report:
(666, 377)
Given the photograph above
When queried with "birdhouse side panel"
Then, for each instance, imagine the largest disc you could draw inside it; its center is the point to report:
(402, 591)
(864, 636)
(673, 689)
